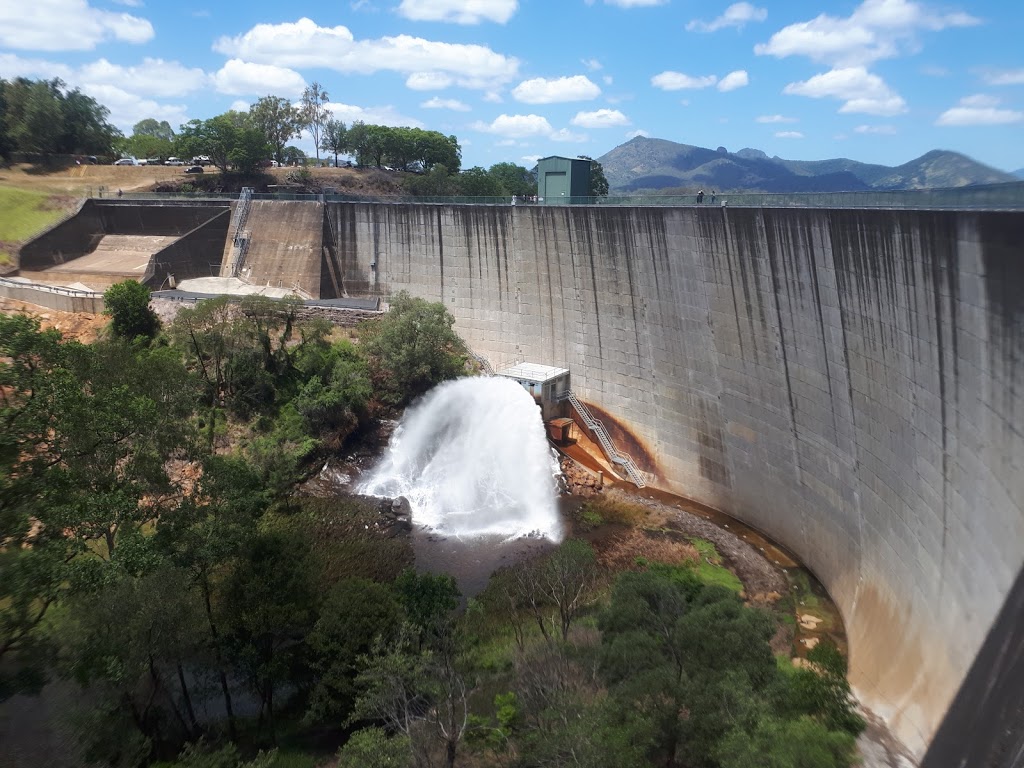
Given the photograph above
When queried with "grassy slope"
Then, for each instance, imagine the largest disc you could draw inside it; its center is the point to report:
(22, 213)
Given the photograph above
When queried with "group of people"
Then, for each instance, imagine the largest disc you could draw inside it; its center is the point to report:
(700, 196)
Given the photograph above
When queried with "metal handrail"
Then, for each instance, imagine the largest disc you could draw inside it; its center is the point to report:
(614, 456)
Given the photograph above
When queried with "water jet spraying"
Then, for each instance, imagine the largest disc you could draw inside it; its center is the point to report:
(473, 460)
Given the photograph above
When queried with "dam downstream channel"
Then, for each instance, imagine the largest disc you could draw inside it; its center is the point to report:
(847, 381)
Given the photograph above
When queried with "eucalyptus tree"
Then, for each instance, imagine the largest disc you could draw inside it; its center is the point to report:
(278, 120)
(335, 138)
(314, 112)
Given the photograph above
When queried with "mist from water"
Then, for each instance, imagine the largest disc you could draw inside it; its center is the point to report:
(473, 460)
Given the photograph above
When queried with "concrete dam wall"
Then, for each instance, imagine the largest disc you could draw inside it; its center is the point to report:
(847, 381)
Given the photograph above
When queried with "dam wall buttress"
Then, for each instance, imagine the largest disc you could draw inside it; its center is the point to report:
(847, 381)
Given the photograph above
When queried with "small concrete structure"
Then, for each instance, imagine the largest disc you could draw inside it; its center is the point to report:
(548, 385)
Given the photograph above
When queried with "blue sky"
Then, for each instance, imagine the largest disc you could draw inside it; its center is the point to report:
(878, 81)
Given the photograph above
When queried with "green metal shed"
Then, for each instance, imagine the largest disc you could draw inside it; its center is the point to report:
(562, 180)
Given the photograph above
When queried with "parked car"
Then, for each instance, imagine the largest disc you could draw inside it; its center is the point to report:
(126, 161)
(174, 161)
(194, 169)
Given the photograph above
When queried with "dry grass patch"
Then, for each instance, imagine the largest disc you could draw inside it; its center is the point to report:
(630, 550)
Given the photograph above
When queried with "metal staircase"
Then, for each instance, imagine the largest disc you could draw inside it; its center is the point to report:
(619, 460)
(240, 236)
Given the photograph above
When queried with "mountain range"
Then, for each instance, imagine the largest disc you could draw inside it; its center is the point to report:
(657, 164)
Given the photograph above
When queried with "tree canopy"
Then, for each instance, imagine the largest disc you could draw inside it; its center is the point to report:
(229, 139)
(46, 117)
(278, 121)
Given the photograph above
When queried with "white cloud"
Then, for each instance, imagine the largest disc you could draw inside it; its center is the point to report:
(638, 132)
(1005, 77)
(459, 11)
(676, 81)
(734, 80)
(788, 135)
(382, 115)
(632, 3)
(592, 64)
(239, 77)
(240, 105)
(12, 65)
(564, 134)
(601, 118)
(438, 103)
(530, 159)
(493, 97)
(516, 126)
(540, 90)
(776, 119)
(126, 108)
(66, 25)
(428, 81)
(130, 3)
(979, 110)
(304, 44)
(877, 29)
(608, 79)
(153, 77)
(736, 15)
(879, 130)
(862, 91)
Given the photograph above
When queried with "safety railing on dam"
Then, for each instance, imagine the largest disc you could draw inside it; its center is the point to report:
(620, 460)
(1009, 196)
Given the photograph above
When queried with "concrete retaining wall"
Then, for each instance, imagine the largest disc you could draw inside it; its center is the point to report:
(846, 381)
(196, 254)
(81, 234)
(55, 298)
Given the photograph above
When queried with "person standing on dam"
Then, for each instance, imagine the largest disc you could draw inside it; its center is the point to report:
(700, 197)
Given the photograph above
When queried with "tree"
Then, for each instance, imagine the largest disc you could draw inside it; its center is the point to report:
(356, 613)
(151, 127)
(436, 182)
(127, 305)
(292, 156)
(334, 139)
(145, 145)
(277, 120)
(567, 577)
(775, 743)
(420, 695)
(598, 181)
(269, 607)
(314, 112)
(373, 748)
(86, 129)
(476, 182)
(823, 691)
(413, 347)
(36, 122)
(227, 138)
(515, 179)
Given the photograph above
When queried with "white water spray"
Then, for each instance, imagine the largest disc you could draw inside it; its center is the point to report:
(473, 460)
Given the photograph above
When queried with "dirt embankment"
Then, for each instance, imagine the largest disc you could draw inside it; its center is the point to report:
(77, 326)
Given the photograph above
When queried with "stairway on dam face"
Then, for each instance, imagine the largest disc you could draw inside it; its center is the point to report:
(285, 243)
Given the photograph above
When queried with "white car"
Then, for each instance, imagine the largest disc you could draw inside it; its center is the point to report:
(174, 161)
(125, 161)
